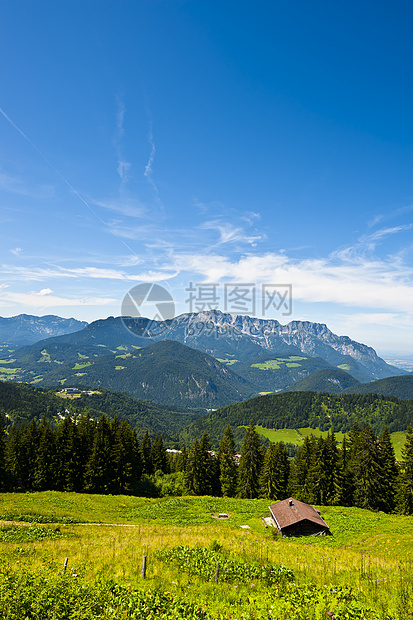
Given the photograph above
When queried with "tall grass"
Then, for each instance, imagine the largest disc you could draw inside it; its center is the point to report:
(369, 554)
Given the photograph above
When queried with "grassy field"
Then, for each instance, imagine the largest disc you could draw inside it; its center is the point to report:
(296, 436)
(363, 570)
(292, 435)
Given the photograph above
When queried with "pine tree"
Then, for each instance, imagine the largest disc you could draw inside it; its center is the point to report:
(28, 444)
(70, 459)
(145, 453)
(182, 459)
(99, 468)
(44, 472)
(269, 481)
(193, 474)
(344, 496)
(125, 459)
(390, 471)
(206, 466)
(86, 428)
(250, 465)
(368, 473)
(12, 458)
(405, 482)
(227, 464)
(158, 456)
(300, 483)
(3, 479)
(323, 477)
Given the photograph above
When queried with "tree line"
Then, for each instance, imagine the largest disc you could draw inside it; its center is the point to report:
(107, 456)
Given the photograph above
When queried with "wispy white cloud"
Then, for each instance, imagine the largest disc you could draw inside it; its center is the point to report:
(129, 207)
(15, 185)
(228, 233)
(123, 166)
(148, 168)
(123, 169)
(148, 174)
(16, 251)
(39, 301)
(368, 243)
(45, 273)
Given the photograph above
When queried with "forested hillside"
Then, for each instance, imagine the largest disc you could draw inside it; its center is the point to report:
(20, 402)
(401, 387)
(329, 380)
(303, 409)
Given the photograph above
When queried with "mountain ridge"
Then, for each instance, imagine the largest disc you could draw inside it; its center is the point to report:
(26, 329)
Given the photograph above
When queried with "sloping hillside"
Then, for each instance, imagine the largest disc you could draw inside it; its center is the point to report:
(330, 380)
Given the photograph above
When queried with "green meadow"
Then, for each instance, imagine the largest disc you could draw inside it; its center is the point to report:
(364, 570)
(296, 436)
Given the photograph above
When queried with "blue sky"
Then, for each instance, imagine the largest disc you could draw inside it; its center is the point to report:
(179, 141)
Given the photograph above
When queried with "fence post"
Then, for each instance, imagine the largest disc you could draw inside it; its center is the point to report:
(217, 573)
(65, 565)
(144, 566)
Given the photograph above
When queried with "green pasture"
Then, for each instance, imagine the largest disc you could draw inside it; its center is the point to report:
(8, 371)
(290, 362)
(268, 365)
(296, 436)
(228, 362)
(364, 570)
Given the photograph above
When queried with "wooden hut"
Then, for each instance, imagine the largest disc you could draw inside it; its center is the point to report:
(295, 518)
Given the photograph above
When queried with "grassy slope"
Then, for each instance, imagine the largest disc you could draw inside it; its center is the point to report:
(295, 436)
(371, 552)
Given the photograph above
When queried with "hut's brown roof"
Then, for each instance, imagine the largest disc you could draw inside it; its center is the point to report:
(291, 511)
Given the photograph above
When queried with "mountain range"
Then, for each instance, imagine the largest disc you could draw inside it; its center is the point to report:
(202, 360)
(24, 329)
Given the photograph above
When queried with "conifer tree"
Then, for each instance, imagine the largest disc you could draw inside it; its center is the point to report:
(300, 484)
(3, 481)
(250, 465)
(145, 454)
(368, 474)
(44, 472)
(14, 464)
(344, 495)
(29, 441)
(206, 466)
(99, 470)
(70, 458)
(193, 474)
(405, 482)
(227, 464)
(86, 428)
(158, 455)
(323, 477)
(283, 468)
(182, 459)
(269, 480)
(125, 459)
(390, 471)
